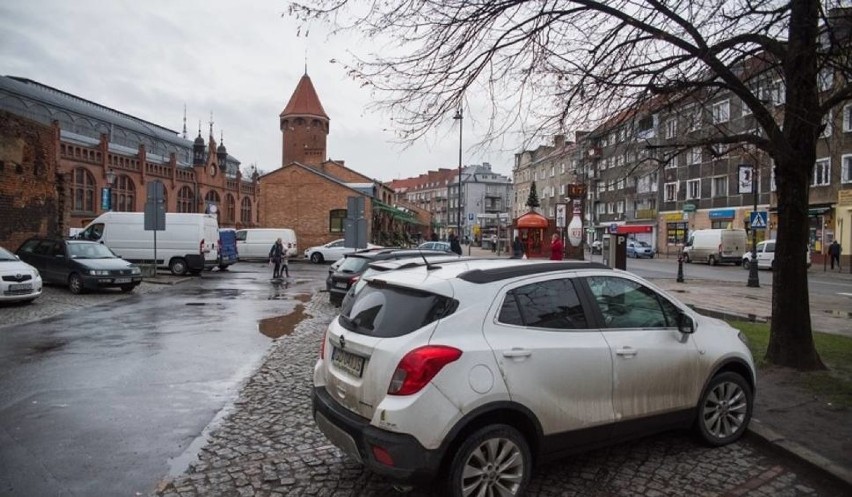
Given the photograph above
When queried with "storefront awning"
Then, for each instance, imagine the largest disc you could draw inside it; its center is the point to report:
(395, 213)
(637, 228)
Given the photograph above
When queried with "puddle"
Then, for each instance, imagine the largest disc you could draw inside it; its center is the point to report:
(44, 348)
(839, 314)
(279, 326)
(195, 303)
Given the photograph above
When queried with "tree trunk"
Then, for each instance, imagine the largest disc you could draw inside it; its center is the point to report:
(791, 341)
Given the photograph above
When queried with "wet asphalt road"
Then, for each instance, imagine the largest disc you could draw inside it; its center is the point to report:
(99, 400)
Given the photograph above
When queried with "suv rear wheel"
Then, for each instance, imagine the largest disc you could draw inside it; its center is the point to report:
(494, 460)
(725, 409)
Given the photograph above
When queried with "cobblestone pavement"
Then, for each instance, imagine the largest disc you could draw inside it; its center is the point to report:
(269, 446)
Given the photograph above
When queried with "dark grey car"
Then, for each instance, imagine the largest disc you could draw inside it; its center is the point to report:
(81, 265)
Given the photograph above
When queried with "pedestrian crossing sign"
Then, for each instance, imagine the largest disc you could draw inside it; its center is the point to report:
(758, 220)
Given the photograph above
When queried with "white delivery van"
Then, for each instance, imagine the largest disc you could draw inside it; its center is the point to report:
(189, 244)
(715, 246)
(254, 243)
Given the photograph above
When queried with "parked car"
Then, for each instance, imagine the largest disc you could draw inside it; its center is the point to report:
(431, 259)
(19, 282)
(82, 265)
(439, 246)
(467, 374)
(331, 251)
(638, 249)
(766, 255)
(227, 248)
(339, 282)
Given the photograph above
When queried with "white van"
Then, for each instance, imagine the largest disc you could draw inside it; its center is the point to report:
(254, 243)
(715, 246)
(189, 244)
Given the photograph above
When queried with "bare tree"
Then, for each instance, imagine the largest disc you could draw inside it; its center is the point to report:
(567, 61)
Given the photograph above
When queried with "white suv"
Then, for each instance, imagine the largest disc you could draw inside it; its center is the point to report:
(474, 370)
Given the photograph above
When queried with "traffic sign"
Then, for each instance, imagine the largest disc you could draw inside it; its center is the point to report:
(613, 228)
(758, 220)
(688, 207)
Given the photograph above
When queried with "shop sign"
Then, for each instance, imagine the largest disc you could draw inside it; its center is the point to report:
(673, 217)
(722, 214)
(844, 197)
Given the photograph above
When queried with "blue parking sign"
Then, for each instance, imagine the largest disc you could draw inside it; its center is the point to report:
(759, 220)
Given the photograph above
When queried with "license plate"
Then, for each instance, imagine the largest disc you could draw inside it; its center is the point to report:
(350, 363)
(340, 285)
(123, 280)
(17, 287)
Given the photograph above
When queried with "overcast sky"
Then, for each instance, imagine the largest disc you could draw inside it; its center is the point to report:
(239, 59)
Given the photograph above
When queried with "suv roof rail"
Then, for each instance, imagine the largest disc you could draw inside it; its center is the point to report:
(502, 273)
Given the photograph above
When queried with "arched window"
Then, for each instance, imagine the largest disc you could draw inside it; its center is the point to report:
(231, 206)
(124, 194)
(83, 191)
(245, 212)
(335, 220)
(185, 200)
(212, 198)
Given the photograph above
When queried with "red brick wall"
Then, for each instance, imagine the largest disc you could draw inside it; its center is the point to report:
(293, 197)
(30, 199)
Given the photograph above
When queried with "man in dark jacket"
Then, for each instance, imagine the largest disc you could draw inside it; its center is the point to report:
(455, 246)
(834, 254)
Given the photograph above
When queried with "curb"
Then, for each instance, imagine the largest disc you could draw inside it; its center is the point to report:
(817, 462)
(727, 315)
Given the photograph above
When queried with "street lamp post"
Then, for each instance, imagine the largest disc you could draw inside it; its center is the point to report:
(106, 201)
(460, 118)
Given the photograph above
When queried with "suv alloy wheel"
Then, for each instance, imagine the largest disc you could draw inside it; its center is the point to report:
(494, 460)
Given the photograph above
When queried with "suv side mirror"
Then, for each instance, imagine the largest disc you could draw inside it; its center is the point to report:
(685, 324)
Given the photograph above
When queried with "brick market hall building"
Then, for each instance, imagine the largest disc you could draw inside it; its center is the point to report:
(64, 160)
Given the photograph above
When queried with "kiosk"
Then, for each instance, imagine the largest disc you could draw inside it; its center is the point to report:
(532, 227)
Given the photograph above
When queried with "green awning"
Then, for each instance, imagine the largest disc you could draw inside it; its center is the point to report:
(395, 213)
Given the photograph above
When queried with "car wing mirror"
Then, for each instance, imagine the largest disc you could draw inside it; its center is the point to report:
(686, 324)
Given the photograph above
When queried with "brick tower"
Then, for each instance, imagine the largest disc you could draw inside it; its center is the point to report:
(304, 126)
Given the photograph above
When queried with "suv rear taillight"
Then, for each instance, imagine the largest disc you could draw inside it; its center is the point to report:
(201, 247)
(353, 280)
(322, 345)
(419, 366)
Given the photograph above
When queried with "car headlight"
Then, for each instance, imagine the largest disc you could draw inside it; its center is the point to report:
(135, 270)
(743, 338)
(98, 272)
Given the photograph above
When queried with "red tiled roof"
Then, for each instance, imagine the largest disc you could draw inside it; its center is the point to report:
(304, 100)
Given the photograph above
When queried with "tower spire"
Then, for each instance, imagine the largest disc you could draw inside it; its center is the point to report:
(184, 121)
(211, 124)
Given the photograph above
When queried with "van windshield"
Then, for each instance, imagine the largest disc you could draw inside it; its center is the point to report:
(93, 232)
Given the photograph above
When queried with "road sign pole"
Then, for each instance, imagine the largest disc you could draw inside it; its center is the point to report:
(753, 278)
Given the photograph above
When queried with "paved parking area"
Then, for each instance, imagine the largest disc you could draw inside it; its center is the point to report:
(267, 445)
(55, 300)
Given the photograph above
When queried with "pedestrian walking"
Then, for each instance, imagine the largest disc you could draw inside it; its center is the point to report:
(834, 253)
(277, 255)
(455, 246)
(556, 248)
(517, 248)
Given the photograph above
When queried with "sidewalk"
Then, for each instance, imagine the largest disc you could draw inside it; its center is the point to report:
(790, 418)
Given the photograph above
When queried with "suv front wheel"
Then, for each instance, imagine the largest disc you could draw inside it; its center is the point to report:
(725, 409)
(494, 460)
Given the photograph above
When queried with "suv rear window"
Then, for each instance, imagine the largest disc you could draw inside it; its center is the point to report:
(387, 311)
(353, 265)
